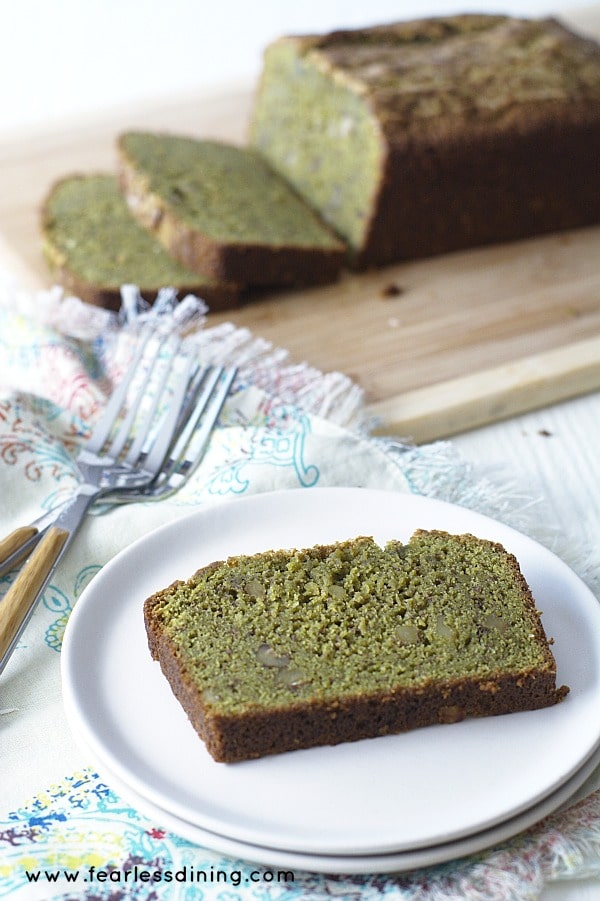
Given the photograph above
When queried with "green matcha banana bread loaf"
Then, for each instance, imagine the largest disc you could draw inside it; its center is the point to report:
(221, 210)
(422, 137)
(93, 245)
(296, 648)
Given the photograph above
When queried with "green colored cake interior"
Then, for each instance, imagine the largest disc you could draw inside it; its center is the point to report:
(89, 228)
(225, 192)
(351, 618)
(321, 136)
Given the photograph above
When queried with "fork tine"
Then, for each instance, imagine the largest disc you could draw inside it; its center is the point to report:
(186, 409)
(164, 380)
(213, 402)
(209, 380)
(196, 384)
(208, 408)
(126, 428)
(105, 424)
(169, 426)
(188, 449)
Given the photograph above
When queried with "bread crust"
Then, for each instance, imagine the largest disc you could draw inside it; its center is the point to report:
(246, 263)
(217, 296)
(259, 731)
(493, 188)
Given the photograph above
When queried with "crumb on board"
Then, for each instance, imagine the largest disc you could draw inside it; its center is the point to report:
(391, 290)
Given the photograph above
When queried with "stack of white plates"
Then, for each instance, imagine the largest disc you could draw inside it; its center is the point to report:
(381, 805)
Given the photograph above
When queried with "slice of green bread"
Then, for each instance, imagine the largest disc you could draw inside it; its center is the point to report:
(93, 245)
(292, 649)
(221, 210)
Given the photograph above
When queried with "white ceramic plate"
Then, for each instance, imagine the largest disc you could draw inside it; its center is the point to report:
(355, 864)
(379, 796)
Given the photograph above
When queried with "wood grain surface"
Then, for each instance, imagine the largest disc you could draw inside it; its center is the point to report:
(438, 346)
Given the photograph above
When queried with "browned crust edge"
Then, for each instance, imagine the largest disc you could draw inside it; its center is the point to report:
(259, 732)
(219, 296)
(440, 196)
(247, 264)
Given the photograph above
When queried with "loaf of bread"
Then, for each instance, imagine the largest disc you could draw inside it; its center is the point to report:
(221, 210)
(93, 246)
(293, 649)
(424, 137)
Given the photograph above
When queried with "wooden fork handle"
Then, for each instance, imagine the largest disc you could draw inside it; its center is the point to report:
(22, 594)
(15, 540)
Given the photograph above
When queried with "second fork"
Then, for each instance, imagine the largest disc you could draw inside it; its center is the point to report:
(127, 423)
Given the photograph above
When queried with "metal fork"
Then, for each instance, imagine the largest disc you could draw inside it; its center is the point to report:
(207, 393)
(127, 462)
(215, 386)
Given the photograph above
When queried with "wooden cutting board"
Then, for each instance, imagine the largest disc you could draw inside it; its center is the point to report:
(439, 346)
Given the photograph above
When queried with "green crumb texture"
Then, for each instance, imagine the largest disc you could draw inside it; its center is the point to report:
(349, 620)
(321, 136)
(89, 232)
(224, 192)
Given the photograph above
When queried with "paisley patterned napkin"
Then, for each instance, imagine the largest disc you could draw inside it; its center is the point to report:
(65, 832)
